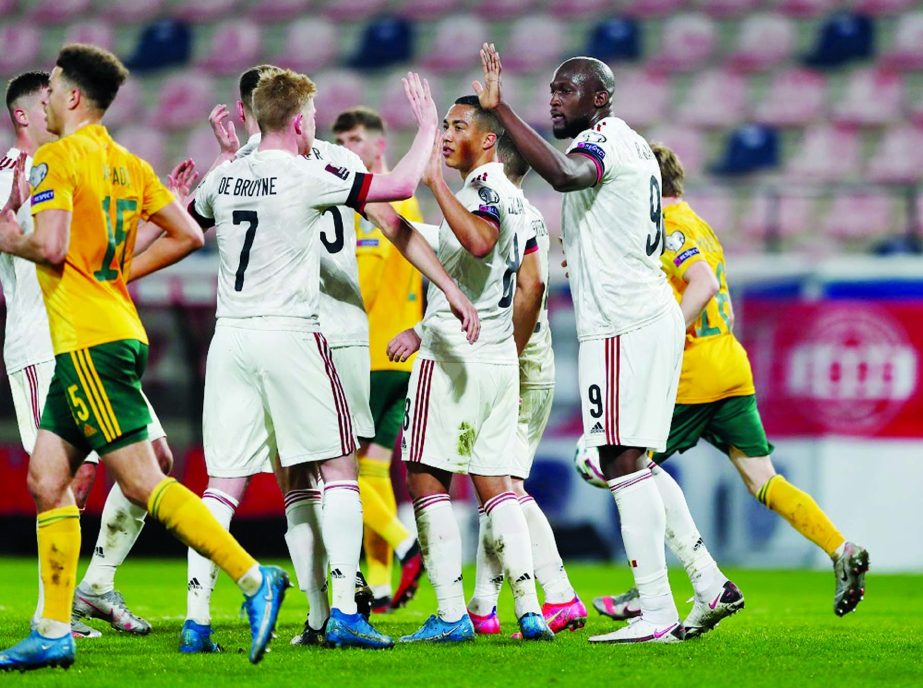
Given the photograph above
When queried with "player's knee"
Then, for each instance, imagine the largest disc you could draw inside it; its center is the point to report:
(46, 488)
(519, 487)
(164, 455)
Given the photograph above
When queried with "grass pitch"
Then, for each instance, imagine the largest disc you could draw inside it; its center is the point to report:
(786, 636)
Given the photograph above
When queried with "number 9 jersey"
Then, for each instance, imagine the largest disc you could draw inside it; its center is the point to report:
(107, 190)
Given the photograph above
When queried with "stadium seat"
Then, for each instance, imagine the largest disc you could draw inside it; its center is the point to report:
(97, 32)
(8, 7)
(353, 10)
(579, 9)
(309, 44)
(647, 9)
(427, 10)
(514, 87)
(271, 11)
(385, 41)
(59, 11)
(203, 11)
(164, 43)
(128, 106)
(615, 39)
(844, 37)
(504, 9)
(686, 43)
(145, 142)
(686, 142)
(393, 103)
(235, 45)
(804, 8)
(716, 98)
(781, 216)
(825, 154)
(641, 97)
(534, 43)
(201, 147)
(750, 148)
(726, 9)
(456, 43)
(536, 108)
(796, 98)
(763, 41)
(860, 216)
(21, 43)
(338, 90)
(132, 11)
(878, 8)
(915, 113)
(907, 50)
(185, 99)
(898, 157)
(716, 207)
(873, 97)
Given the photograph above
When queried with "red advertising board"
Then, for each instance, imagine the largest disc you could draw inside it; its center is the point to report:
(837, 367)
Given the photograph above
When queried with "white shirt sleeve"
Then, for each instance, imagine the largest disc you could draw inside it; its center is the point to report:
(596, 146)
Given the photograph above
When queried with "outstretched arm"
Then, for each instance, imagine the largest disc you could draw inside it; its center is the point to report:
(565, 172)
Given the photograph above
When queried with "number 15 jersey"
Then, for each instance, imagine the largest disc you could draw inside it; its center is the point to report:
(613, 234)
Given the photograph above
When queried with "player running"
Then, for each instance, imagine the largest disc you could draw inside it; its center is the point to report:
(716, 403)
(562, 608)
(392, 291)
(461, 408)
(88, 194)
(628, 325)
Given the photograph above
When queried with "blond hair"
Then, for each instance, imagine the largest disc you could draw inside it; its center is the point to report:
(279, 96)
(672, 173)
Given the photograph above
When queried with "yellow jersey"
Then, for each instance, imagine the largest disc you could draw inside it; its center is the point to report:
(106, 189)
(392, 288)
(715, 365)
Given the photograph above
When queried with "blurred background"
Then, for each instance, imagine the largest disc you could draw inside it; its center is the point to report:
(800, 125)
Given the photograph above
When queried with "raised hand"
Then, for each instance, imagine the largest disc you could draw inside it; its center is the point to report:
(403, 346)
(464, 310)
(20, 191)
(489, 92)
(433, 171)
(421, 100)
(223, 127)
(181, 180)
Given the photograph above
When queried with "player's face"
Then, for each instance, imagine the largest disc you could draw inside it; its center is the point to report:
(366, 144)
(56, 105)
(33, 107)
(308, 128)
(463, 141)
(572, 105)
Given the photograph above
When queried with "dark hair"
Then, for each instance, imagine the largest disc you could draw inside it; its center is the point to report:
(249, 80)
(96, 72)
(358, 117)
(514, 165)
(25, 85)
(486, 119)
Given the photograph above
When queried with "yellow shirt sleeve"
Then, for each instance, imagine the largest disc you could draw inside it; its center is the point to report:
(681, 249)
(52, 179)
(156, 196)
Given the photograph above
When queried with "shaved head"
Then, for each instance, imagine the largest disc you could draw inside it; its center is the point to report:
(589, 71)
(581, 95)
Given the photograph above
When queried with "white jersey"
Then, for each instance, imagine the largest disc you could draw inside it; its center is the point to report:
(536, 362)
(268, 209)
(489, 282)
(613, 235)
(28, 339)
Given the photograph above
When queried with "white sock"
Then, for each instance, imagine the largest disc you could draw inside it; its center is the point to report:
(49, 628)
(511, 534)
(342, 529)
(683, 537)
(305, 540)
(643, 520)
(440, 543)
(121, 524)
(489, 573)
(549, 568)
(202, 573)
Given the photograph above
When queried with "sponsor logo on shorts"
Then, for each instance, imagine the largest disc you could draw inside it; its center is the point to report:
(597, 429)
(42, 197)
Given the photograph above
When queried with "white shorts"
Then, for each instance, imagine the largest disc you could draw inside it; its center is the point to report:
(534, 411)
(270, 392)
(461, 417)
(354, 365)
(628, 384)
(30, 387)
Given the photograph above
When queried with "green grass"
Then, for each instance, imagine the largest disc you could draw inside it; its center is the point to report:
(787, 635)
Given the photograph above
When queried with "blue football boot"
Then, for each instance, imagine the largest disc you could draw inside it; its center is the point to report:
(435, 630)
(37, 652)
(197, 638)
(532, 626)
(353, 630)
(263, 609)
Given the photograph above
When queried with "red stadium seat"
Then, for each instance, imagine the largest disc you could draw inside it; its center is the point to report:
(393, 105)
(641, 97)
(717, 209)
(127, 108)
(873, 97)
(534, 44)
(504, 9)
(59, 11)
(8, 7)
(907, 51)
(269, 11)
(132, 11)
(310, 44)
(860, 216)
(916, 113)
(763, 41)
(185, 100)
(338, 90)
(204, 11)
(96, 31)
(579, 9)
(646, 9)
(201, 147)
(145, 142)
(456, 43)
(235, 45)
(724, 9)
(805, 8)
(878, 8)
(353, 10)
(716, 98)
(21, 43)
(796, 98)
(899, 157)
(786, 214)
(825, 154)
(686, 43)
(688, 144)
(427, 10)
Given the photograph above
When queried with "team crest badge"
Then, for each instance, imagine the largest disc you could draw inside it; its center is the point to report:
(38, 174)
(488, 195)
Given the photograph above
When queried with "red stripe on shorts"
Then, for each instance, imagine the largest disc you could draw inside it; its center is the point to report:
(32, 377)
(344, 418)
(421, 410)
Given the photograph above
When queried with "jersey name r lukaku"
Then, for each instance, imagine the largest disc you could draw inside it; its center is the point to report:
(715, 364)
(268, 209)
(108, 190)
(613, 234)
(27, 340)
(536, 362)
(489, 282)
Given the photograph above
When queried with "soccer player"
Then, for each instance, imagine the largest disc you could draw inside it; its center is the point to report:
(88, 194)
(716, 402)
(392, 291)
(461, 408)
(562, 608)
(629, 327)
(29, 360)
